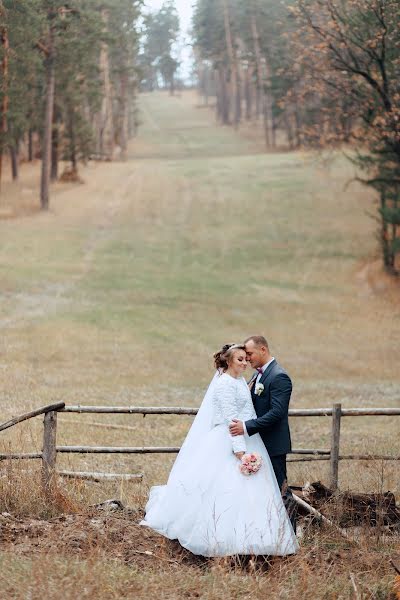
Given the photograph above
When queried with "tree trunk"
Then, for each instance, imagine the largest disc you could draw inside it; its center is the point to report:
(261, 79)
(233, 64)
(48, 122)
(218, 105)
(238, 98)
(54, 150)
(247, 93)
(105, 144)
(388, 256)
(72, 141)
(13, 148)
(297, 121)
(223, 97)
(124, 115)
(258, 101)
(274, 126)
(30, 145)
(4, 104)
(218, 79)
(289, 132)
(131, 119)
(206, 90)
(269, 116)
(394, 237)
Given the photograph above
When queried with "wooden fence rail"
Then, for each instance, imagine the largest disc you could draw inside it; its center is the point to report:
(171, 410)
(26, 455)
(34, 413)
(50, 449)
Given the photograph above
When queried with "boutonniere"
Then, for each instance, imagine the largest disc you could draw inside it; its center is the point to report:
(259, 389)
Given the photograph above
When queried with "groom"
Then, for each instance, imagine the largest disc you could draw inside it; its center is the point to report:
(270, 388)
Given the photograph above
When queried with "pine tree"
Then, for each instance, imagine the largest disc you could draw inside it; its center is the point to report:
(352, 58)
(160, 36)
(19, 67)
(78, 87)
(124, 48)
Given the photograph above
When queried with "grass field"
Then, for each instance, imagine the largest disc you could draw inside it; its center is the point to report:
(122, 292)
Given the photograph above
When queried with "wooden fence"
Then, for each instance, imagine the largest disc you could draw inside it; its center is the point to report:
(50, 448)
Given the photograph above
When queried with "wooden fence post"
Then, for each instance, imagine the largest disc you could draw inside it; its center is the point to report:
(49, 448)
(335, 443)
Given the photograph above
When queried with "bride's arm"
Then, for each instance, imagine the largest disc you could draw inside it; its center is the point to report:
(226, 394)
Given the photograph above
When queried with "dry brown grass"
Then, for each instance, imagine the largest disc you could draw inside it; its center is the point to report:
(95, 553)
(120, 294)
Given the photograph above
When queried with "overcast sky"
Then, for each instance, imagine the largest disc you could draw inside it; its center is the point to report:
(184, 8)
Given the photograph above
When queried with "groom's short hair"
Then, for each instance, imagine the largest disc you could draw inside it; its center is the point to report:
(259, 340)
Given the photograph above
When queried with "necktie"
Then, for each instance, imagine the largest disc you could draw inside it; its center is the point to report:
(259, 369)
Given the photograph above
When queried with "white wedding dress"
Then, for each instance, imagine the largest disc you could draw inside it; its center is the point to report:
(207, 504)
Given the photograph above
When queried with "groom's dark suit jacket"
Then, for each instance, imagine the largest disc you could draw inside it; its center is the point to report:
(271, 408)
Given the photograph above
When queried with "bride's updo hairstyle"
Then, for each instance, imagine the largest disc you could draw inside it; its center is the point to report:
(223, 357)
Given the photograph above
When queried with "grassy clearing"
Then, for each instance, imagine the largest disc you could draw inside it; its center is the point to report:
(124, 290)
(89, 553)
(107, 556)
(107, 580)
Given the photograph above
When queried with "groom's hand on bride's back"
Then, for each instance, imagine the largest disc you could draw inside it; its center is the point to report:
(236, 427)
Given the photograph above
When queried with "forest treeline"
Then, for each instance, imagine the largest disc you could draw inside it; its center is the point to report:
(69, 78)
(314, 73)
(59, 63)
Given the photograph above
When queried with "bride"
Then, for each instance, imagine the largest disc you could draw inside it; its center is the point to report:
(208, 505)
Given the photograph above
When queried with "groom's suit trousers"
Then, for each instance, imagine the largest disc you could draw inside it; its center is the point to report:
(279, 466)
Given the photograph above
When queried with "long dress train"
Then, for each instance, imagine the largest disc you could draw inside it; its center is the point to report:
(208, 504)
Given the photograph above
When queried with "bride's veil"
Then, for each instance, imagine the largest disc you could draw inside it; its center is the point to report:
(201, 425)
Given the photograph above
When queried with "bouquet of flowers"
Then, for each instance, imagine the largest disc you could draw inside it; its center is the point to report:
(250, 463)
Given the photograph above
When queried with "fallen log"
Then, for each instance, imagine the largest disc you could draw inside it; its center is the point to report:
(315, 513)
(395, 567)
(100, 476)
(351, 508)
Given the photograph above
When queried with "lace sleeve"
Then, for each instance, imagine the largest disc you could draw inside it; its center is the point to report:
(226, 397)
